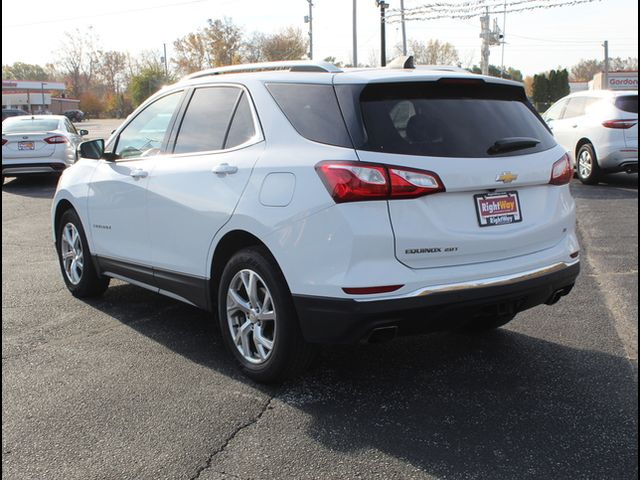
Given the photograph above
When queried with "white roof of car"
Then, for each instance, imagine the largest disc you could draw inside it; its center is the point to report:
(602, 93)
(322, 72)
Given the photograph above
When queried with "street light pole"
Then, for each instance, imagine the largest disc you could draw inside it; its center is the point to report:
(310, 29)
(383, 33)
(42, 90)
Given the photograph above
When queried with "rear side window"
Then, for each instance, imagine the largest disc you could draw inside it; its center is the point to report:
(313, 111)
(206, 121)
(242, 127)
(442, 120)
(627, 103)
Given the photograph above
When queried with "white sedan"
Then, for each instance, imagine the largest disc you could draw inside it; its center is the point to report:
(38, 144)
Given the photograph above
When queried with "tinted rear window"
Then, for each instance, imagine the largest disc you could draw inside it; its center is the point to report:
(313, 111)
(452, 120)
(29, 125)
(628, 103)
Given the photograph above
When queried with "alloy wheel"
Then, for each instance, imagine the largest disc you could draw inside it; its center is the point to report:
(251, 316)
(71, 253)
(585, 164)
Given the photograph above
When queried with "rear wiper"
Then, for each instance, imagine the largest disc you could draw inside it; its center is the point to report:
(510, 144)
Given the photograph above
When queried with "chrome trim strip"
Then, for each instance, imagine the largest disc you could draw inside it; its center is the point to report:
(480, 283)
(10, 170)
(148, 287)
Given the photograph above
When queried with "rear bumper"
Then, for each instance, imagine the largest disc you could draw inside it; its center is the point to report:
(622, 159)
(444, 307)
(14, 169)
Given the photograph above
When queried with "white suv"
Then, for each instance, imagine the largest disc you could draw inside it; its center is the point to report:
(599, 128)
(306, 205)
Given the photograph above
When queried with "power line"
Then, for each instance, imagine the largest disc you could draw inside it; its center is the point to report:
(455, 11)
(106, 14)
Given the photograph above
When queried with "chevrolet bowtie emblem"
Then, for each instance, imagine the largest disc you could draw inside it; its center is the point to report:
(507, 177)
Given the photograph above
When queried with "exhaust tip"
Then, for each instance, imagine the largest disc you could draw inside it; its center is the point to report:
(558, 294)
(383, 334)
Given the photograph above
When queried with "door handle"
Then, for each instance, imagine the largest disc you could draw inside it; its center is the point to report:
(224, 169)
(138, 173)
(574, 126)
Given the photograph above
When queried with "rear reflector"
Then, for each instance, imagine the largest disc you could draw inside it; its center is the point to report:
(561, 172)
(624, 124)
(56, 139)
(349, 181)
(370, 290)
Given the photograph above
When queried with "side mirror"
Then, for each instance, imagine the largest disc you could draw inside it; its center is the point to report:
(84, 132)
(92, 149)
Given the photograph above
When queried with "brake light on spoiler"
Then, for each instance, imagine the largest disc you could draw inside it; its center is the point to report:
(349, 181)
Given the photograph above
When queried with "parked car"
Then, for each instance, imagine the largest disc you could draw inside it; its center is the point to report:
(38, 144)
(12, 112)
(599, 129)
(306, 205)
(74, 115)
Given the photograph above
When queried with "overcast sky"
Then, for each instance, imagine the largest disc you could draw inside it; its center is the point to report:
(536, 40)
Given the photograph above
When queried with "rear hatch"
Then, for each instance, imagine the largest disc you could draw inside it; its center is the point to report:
(29, 138)
(498, 202)
(628, 104)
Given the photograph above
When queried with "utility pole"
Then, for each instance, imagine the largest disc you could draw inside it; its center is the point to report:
(489, 37)
(606, 63)
(504, 27)
(404, 30)
(309, 19)
(164, 59)
(383, 32)
(355, 36)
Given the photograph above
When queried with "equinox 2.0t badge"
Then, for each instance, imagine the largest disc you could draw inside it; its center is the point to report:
(506, 177)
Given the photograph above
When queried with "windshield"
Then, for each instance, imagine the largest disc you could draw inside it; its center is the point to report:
(28, 125)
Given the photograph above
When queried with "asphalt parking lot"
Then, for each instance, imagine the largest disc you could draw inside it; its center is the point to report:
(138, 386)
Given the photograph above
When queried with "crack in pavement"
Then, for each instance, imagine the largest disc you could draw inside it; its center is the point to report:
(253, 421)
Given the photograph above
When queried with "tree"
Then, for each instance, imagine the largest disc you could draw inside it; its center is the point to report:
(78, 60)
(146, 83)
(509, 73)
(24, 71)
(434, 52)
(220, 43)
(584, 70)
(288, 44)
(549, 87)
(251, 50)
(113, 71)
(528, 86)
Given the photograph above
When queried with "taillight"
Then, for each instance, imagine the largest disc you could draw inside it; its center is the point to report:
(561, 172)
(56, 139)
(359, 181)
(624, 124)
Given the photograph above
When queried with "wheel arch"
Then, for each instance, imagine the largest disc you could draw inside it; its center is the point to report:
(579, 144)
(230, 243)
(61, 207)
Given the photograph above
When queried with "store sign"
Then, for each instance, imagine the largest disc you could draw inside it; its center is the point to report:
(622, 81)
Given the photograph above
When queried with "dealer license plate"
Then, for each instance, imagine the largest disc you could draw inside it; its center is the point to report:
(499, 208)
(26, 146)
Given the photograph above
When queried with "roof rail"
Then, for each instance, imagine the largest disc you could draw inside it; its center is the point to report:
(291, 66)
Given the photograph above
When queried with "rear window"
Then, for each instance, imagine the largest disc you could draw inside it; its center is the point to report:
(441, 120)
(313, 111)
(627, 103)
(29, 125)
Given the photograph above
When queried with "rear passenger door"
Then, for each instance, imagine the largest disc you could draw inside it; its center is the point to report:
(194, 190)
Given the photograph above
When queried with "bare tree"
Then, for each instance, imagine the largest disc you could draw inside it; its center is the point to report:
(434, 52)
(113, 70)
(78, 59)
(584, 70)
(288, 44)
(252, 48)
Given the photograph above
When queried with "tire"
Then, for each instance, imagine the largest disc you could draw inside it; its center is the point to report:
(82, 279)
(481, 325)
(263, 335)
(587, 168)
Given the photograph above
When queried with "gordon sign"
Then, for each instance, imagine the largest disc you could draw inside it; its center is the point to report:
(622, 81)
